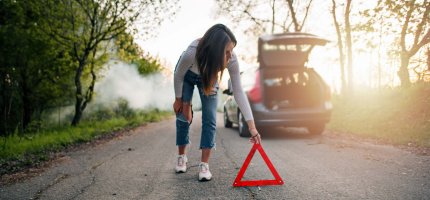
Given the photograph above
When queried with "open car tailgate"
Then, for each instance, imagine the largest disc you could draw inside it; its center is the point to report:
(287, 49)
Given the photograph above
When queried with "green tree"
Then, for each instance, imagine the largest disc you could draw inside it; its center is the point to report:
(85, 26)
(413, 22)
(132, 53)
(30, 64)
(347, 84)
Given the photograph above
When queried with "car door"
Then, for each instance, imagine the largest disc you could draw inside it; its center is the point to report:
(230, 104)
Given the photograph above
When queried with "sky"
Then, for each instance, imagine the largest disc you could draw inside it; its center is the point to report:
(122, 80)
(190, 23)
(193, 19)
(196, 16)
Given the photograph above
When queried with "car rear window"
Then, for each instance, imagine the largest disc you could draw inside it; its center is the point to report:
(291, 89)
(286, 47)
(284, 55)
(285, 78)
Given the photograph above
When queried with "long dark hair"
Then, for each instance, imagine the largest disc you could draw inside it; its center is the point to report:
(210, 54)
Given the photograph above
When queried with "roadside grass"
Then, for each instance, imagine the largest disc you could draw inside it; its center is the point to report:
(395, 115)
(23, 150)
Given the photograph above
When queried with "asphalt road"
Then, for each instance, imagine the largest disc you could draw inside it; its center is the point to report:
(139, 165)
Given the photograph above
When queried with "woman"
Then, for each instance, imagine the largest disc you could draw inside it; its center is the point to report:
(203, 64)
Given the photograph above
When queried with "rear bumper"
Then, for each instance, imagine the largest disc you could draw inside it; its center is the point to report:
(292, 118)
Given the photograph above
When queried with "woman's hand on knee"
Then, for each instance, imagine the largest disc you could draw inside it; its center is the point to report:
(177, 105)
(187, 111)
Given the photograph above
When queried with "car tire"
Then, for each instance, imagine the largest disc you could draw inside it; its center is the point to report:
(316, 129)
(243, 126)
(227, 122)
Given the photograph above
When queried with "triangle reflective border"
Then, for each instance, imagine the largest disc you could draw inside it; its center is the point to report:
(238, 181)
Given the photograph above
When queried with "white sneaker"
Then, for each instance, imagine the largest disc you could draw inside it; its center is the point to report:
(204, 174)
(181, 164)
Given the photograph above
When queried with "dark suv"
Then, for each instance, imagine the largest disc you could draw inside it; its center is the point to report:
(283, 90)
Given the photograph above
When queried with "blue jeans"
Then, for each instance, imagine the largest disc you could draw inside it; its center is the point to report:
(209, 106)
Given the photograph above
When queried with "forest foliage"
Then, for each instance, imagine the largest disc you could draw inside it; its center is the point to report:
(52, 53)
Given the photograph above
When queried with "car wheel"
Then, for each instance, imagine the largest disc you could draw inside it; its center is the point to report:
(227, 122)
(316, 129)
(243, 126)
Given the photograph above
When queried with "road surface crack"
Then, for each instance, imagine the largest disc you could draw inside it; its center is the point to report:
(93, 177)
(56, 180)
(62, 177)
(251, 193)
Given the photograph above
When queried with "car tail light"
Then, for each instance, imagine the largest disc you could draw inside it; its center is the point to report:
(255, 93)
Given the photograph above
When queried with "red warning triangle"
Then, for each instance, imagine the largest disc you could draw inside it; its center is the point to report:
(238, 181)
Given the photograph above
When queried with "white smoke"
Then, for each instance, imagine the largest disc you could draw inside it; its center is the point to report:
(142, 92)
(123, 81)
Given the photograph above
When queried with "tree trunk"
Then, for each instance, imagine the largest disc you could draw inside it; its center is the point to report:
(403, 72)
(340, 48)
(428, 59)
(78, 112)
(83, 99)
(26, 103)
(273, 16)
(3, 104)
(79, 96)
(379, 52)
(297, 28)
(27, 112)
(90, 91)
(348, 40)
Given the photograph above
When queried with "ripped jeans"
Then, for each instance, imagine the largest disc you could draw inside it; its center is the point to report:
(209, 106)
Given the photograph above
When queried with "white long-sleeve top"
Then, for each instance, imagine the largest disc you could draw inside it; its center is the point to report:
(188, 62)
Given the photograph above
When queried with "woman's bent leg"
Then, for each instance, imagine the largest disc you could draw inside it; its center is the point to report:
(182, 131)
(207, 141)
(182, 123)
(209, 105)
